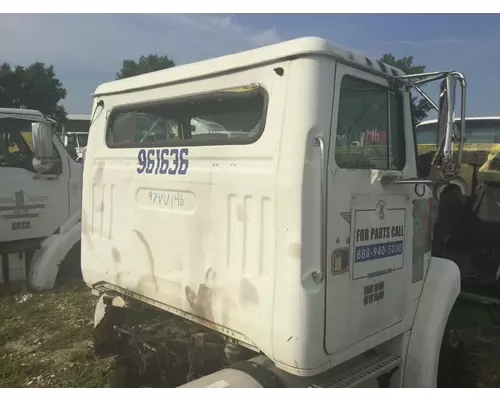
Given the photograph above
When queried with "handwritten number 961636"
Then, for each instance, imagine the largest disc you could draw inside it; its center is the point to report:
(163, 161)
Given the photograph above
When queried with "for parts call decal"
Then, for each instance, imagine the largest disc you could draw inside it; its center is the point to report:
(381, 239)
(374, 251)
(163, 161)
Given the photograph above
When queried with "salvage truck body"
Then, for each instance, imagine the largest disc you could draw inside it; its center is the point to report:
(470, 212)
(74, 134)
(40, 203)
(271, 228)
(479, 168)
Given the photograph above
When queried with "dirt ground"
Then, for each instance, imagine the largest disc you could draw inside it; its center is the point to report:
(44, 342)
(483, 352)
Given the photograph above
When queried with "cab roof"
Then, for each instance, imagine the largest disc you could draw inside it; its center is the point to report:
(22, 113)
(246, 59)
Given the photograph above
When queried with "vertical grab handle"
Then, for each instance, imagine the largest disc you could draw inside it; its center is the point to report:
(318, 277)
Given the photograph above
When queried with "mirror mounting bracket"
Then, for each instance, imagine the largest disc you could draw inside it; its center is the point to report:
(444, 151)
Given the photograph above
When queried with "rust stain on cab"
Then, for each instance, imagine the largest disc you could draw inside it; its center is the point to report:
(201, 302)
(99, 172)
(115, 254)
(294, 250)
(248, 293)
(151, 260)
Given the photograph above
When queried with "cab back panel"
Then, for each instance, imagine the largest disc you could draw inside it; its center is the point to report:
(298, 333)
(203, 242)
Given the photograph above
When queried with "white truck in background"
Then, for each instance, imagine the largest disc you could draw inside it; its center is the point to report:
(75, 143)
(74, 123)
(40, 203)
(297, 259)
(74, 134)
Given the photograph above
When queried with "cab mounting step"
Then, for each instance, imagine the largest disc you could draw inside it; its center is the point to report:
(373, 367)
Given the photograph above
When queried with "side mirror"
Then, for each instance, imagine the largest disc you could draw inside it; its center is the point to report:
(65, 139)
(446, 120)
(444, 164)
(43, 147)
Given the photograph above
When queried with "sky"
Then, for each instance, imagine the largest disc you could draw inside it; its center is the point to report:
(88, 49)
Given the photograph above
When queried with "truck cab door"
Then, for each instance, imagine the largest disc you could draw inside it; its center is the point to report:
(32, 205)
(370, 225)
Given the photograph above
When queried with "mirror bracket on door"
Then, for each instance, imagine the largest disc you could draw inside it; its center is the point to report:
(445, 108)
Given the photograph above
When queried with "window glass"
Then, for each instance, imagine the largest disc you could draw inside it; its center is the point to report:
(225, 117)
(370, 127)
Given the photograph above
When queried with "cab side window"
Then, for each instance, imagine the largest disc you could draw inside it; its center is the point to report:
(14, 151)
(17, 152)
(370, 127)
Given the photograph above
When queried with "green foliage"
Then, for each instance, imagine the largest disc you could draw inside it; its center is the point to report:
(146, 64)
(35, 87)
(420, 106)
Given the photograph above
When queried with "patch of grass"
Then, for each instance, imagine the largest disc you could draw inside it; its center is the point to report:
(44, 340)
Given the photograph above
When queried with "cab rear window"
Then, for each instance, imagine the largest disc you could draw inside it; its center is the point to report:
(233, 116)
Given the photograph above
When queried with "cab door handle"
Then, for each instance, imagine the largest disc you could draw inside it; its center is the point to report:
(319, 277)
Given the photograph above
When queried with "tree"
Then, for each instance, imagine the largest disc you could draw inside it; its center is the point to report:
(35, 87)
(146, 64)
(420, 106)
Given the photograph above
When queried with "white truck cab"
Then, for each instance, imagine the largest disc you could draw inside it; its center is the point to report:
(40, 200)
(250, 213)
